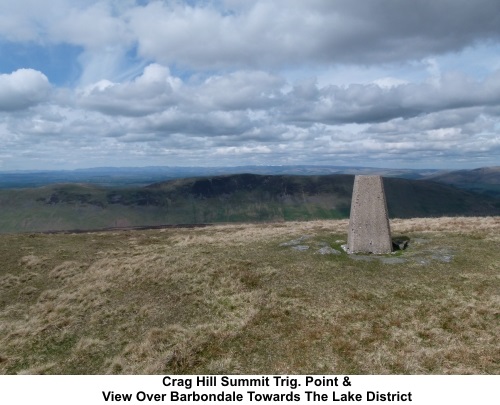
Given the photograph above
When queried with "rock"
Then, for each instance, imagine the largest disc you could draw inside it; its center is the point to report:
(327, 250)
(297, 241)
(300, 248)
(445, 258)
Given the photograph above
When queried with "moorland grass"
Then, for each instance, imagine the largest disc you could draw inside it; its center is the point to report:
(230, 299)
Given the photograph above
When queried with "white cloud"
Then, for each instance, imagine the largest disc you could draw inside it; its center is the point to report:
(279, 33)
(93, 27)
(90, 23)
(364, 103)
(240, 90)
(22, 89)
(249, 112)
(153, 91)
(389, 82)
(275, 81)
(242, 150)
(26, 20)
(258, 34)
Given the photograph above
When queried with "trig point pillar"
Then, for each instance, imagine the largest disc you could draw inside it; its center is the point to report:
(369, 230)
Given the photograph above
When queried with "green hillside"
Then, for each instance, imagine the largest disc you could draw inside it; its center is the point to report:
(228, 198)
(485, 180)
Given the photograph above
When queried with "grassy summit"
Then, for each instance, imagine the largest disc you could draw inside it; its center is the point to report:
(231, 299)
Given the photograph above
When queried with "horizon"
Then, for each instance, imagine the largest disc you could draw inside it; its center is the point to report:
(236, 167)
(224, 83)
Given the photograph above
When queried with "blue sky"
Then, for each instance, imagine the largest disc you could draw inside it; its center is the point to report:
(403, 84)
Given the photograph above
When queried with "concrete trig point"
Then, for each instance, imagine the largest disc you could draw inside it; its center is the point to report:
(369, 230)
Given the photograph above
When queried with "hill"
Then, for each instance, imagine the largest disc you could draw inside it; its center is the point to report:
(229, 198)
(142, 176)
(243, 299)
(485, 180)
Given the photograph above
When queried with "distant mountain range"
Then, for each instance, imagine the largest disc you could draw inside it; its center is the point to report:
(142, 176)
(224, 198)
(484, 180)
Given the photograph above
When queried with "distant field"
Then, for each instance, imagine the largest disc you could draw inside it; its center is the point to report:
(232, 299)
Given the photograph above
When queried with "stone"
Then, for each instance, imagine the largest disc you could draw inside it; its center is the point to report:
(300, 248)
(327, 250)
(369, 230)
(297, 241)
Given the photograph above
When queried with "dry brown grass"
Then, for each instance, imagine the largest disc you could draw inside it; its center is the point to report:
(230, 299)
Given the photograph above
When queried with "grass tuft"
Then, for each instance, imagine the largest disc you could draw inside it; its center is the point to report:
(233, 299)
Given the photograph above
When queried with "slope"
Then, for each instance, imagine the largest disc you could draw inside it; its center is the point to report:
(230, 198)
(484, 180)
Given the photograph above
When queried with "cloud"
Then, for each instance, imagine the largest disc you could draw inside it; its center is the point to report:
(258, 111)
(368, 103)
(210, 124)
(161, 103)
(240, 90)
(26, 20)
(274, 81)
(97, 28)
(279, 33)
(153, 91)
(93, 27)
(257, 96)
(250, 35)
(22, 89)
(89, 23)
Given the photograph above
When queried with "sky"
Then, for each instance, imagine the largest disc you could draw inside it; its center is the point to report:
(379, 83)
